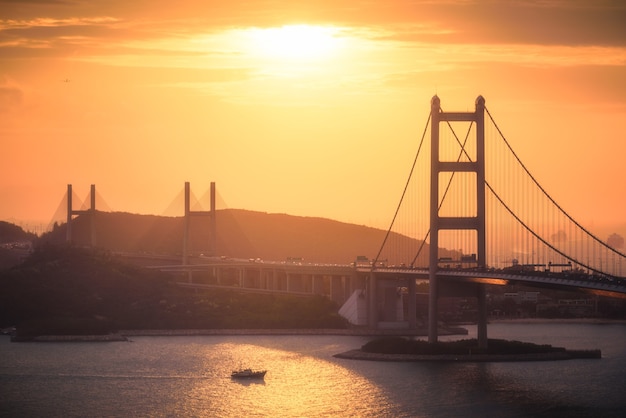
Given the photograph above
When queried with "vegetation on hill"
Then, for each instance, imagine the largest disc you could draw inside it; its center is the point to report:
(70, 290)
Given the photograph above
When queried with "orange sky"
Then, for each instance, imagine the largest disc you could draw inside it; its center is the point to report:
(320, 119)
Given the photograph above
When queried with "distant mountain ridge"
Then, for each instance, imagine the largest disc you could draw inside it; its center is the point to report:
(241, 234)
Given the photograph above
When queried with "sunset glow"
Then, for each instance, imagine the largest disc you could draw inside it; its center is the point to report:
(307, 109)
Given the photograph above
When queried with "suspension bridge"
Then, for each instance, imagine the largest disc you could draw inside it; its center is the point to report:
(481, 218)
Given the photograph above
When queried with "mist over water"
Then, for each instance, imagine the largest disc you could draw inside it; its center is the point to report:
(190, 376)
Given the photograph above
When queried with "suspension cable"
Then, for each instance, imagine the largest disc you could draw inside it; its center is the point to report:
(406, 186)
(602, 243)
(445, 193)
(520, 220)
(527, 228)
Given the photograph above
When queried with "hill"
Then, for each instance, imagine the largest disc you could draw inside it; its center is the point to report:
(241, 234)
(13, 234)
(69, 290)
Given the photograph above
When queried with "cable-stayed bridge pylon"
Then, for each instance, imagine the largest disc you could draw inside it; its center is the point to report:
(90, 212)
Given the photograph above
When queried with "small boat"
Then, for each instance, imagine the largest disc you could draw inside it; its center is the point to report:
(248, 374)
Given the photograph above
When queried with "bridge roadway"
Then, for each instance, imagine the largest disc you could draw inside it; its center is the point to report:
(369, 296)
(335, 281)
(601, 285)
(339, 281)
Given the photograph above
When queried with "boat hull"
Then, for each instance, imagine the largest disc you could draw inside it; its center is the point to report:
(248, 374)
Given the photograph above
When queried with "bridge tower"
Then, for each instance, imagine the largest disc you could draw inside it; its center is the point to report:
(187, 221)
(438, 223)
(91, 212)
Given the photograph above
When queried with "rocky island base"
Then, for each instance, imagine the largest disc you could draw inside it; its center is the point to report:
(402, 349)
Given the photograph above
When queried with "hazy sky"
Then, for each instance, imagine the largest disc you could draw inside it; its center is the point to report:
(307, 108)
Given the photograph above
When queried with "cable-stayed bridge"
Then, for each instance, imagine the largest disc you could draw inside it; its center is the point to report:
(476, 216)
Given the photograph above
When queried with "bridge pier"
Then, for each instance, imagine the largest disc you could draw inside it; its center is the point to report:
(281, 281)
(353, 284)
(372, 304)
(337, 290)
(433, 297)
(412, 304)
(217, 273)
(392, 309)
(482, 316)
(385, 302)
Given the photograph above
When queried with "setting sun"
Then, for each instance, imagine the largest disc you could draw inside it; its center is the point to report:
(296, 42)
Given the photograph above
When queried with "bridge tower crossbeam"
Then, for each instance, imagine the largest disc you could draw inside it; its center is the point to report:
(438, 223)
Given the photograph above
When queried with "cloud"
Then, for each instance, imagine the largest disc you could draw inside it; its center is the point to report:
(56, 22)
(103, 24)
(435, 37)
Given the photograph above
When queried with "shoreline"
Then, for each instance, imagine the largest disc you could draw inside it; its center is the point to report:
(124, 335)
(451, 330)
(105, 338)
(358, 332)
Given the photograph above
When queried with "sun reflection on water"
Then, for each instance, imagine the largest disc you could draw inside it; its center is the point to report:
(295, 385)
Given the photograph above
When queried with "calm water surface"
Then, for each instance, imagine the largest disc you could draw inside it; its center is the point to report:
(190, 376)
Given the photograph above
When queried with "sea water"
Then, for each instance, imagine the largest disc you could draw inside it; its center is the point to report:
(190, 377)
